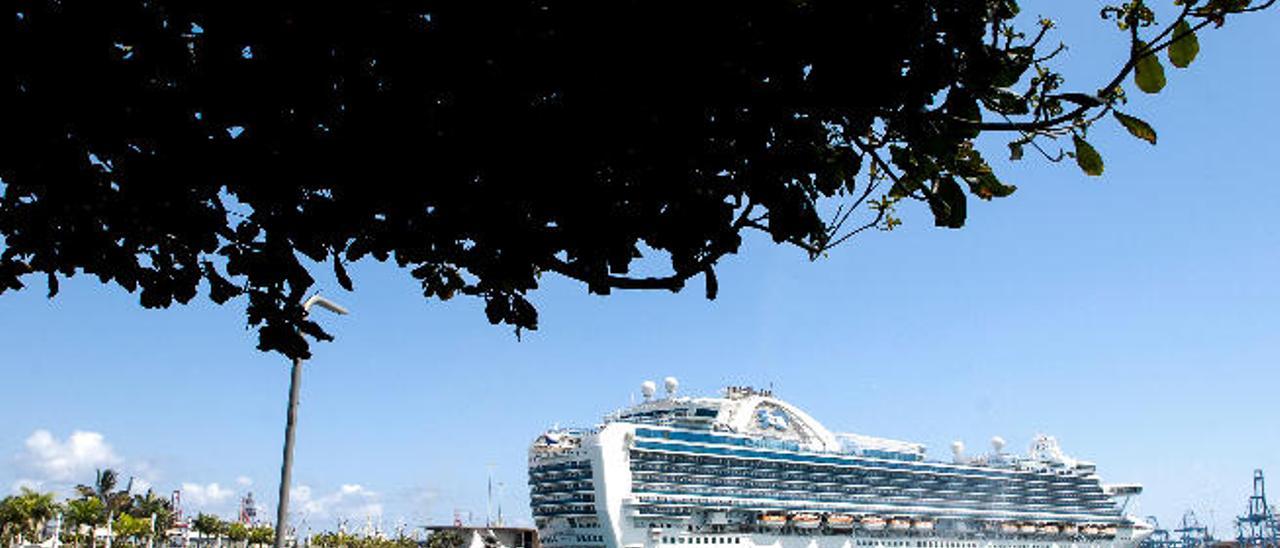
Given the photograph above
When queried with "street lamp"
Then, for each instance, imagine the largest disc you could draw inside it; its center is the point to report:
(291, 420)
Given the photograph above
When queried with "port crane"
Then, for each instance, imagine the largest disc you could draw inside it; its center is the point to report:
(1258, 528)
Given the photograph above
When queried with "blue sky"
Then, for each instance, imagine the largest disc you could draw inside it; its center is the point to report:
(1134, 317)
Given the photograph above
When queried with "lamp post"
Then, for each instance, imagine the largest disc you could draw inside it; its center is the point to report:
(291, 420)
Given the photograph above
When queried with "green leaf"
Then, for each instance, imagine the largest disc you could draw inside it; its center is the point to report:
(987, 186)
(948, 203)
(1015, 150)
(1148, 74)
(1013, 65)
(961, 105)
(1137, 127)
(1004, 101)
(974, 170)
(1183, 50)
(1087, 157)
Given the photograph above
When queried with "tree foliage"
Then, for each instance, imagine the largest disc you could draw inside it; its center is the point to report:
(261, 535)
(130, 527)
(237, 531)
(173, 148)
(447, 538)
(112, 501)
(146, 505)
(209, 525)
(22, 516)
(346, 540)
(86, 512)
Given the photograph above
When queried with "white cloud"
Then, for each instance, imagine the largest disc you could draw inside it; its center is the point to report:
(349, 501)
(73, 460)
(51, 464)
(141, 485)
(28, 483)
(204, 496)
(244, 481)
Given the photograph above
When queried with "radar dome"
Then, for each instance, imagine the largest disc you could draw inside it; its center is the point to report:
(997, 443)
(957, 448)
(648, 388)
(671, 385)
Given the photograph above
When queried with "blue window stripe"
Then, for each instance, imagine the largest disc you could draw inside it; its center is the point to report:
(644, 440)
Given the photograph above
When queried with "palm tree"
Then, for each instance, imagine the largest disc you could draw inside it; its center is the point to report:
(104, 489)
(129, 527)
(147, 505)
(85, 512)
(208, 525)
(9, 521)
(25, 514)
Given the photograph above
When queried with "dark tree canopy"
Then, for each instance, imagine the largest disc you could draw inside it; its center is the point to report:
(173, 147)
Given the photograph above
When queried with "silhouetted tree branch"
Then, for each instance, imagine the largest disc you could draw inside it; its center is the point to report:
(227, 147)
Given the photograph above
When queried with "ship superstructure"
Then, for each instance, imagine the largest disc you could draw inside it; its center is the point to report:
(748, 469)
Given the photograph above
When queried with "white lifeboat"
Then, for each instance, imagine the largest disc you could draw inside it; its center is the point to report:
(1049, 529)
(922, 525)
(1090, 530)
(1070, 529)
(899, 524)
(1109, 531)
(1027, 528)
(840, 521)
(772, 520)
(873, 523)
(1008, 527)
(806, 521)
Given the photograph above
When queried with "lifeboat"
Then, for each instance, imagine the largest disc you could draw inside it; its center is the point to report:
(899, 524)
(922, 525)
(1109, 531)
(1027, 528)
(873, 523)
(806, 521)
(1090, 530)
(840, 521)
(1008, 527)
(772, 520)
(1070, 529)
(1049, 529)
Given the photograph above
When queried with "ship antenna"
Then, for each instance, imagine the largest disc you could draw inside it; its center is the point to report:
(488, 505)
(500, 486)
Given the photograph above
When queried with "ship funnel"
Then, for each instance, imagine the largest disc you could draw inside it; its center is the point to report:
(671, 384)
(997, 443)
(957, 451)
(648, 388)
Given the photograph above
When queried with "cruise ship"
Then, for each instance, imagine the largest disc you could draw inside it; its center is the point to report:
(748, 469)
